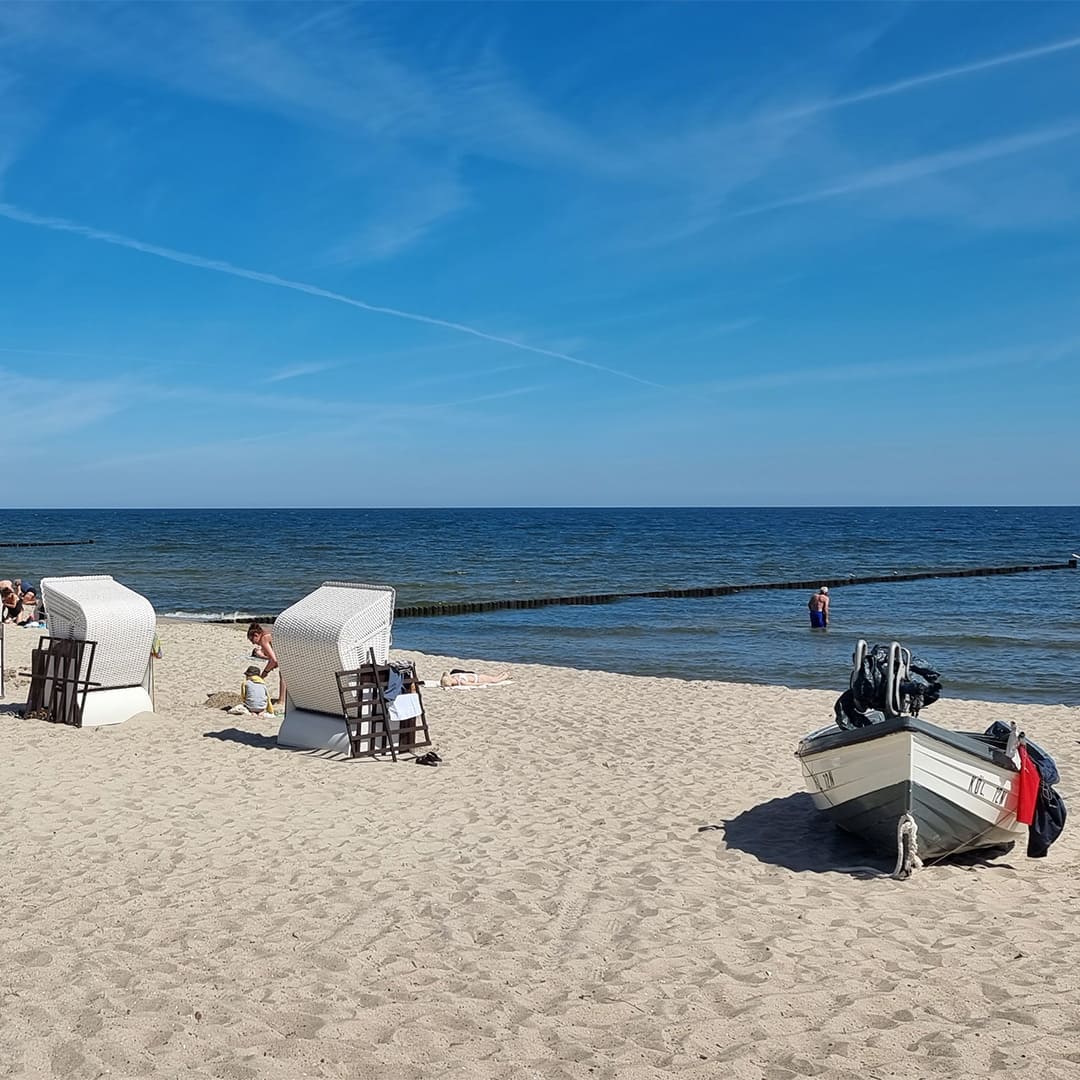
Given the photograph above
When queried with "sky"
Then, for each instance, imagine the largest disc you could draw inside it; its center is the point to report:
(514, 254)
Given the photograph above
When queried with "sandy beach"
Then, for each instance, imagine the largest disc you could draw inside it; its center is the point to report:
(181, 897)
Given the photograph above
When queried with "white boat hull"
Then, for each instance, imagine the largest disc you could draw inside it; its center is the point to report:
(961, 792)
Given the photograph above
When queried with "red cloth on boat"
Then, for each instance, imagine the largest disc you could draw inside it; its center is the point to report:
(1027, 788)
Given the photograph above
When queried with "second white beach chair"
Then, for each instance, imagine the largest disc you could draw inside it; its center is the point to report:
(122, 623)
(330, 630)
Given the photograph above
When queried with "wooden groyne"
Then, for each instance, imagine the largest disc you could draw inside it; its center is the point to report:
(43, 543)
(478, 607)
(475, 607)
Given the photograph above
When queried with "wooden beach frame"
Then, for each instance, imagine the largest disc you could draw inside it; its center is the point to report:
(373, 723)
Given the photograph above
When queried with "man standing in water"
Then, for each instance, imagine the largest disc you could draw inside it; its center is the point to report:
(819, 609)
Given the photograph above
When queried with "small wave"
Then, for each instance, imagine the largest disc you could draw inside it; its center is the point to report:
(208, 616)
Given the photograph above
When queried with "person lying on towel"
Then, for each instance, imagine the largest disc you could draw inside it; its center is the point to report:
(457, 677)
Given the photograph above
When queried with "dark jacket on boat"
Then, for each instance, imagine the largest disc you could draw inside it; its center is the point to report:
(1050, 810)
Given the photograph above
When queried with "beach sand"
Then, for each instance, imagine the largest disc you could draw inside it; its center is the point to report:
(181, 897)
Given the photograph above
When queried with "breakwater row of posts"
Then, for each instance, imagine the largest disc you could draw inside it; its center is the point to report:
(477, 607)
(43, 543)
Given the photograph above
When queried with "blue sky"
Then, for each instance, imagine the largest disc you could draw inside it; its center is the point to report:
(540, 255)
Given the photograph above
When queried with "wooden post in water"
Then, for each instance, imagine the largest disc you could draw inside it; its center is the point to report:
(478, 607)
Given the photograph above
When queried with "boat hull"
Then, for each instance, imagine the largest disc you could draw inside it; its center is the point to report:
(960, 789)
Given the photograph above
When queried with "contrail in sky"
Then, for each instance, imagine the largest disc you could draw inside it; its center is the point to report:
(920, 167)
(914, 82)
(13, 213)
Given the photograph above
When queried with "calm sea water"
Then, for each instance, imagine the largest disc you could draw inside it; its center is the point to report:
(1011, 638)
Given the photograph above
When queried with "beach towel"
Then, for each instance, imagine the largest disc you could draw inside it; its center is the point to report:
(483, 686)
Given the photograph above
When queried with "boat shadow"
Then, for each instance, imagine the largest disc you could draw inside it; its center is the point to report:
(791, 832)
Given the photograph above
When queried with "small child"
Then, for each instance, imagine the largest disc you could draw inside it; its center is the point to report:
(256, 696)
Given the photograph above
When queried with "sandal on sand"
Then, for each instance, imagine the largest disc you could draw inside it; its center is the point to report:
(429, 759)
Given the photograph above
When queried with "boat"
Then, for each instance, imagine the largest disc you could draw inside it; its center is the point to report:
(903, 784)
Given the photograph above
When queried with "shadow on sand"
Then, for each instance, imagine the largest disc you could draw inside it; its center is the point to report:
(790, 832)
(257, 741)
(245, 738)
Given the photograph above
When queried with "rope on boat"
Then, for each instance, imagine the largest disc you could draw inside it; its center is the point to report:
(907, 853)
(907, 848)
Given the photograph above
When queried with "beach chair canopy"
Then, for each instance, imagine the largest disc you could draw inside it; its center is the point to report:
(101, 609)
(331, 630)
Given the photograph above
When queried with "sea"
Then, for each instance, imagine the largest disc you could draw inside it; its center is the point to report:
(1007, 639)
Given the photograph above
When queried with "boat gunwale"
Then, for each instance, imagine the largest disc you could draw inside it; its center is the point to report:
(977, 746)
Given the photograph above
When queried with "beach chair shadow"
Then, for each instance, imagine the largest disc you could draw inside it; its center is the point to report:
(255, 739)
(790, 832)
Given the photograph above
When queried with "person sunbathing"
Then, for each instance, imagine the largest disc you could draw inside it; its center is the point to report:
(471, 678)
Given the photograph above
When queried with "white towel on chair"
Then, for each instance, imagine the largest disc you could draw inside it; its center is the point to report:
(404, 707)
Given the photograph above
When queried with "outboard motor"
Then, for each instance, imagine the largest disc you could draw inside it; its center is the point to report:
(888, 680)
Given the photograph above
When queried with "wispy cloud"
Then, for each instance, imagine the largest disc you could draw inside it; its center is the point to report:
(460, 376)
(919, 168)
(1023, 356)
(54, 224)
(81, 402)
(406, 212)
(56, 353)
(211, 451)
(477, 399)
(17, 117)
(916, 82)
(406, 123)
(336, 70)
(298, 371)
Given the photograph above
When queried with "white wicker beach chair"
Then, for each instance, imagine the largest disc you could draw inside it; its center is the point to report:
(330, 630)
(123, 623)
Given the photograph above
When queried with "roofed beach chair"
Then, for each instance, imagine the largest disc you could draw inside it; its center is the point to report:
(117, 670)
(339, 627)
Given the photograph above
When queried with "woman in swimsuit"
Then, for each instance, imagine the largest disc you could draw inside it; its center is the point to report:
(261, 638)
(471, 678)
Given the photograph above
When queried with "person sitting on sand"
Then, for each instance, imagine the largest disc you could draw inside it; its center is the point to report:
(263, 641)
(457, 677)
(255, 694)
(30, 603)
(13, 611)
